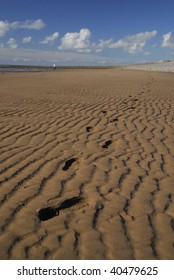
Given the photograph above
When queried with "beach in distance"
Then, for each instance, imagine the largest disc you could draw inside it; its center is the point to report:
(87, 164)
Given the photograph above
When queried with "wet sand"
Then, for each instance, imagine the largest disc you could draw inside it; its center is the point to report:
(87, 165)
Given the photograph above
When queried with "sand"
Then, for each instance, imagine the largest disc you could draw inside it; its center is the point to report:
(86, 165)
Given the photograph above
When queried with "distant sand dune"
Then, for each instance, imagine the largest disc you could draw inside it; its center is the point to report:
(86, 165)
(163, 66)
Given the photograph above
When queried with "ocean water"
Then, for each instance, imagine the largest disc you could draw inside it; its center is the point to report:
(26, 69)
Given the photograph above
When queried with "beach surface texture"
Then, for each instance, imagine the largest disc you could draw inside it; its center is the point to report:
(87, 165)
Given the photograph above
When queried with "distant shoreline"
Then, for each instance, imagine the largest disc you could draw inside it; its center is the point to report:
(162, 66)
(47, 68)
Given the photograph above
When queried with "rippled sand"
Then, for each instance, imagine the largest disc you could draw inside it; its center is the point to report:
(86, 165)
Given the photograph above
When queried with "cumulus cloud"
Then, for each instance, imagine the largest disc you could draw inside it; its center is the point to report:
(167, 43)
(78, 41)
(26, 39)
(36, 57)
(12, 43)
(50, 39)
(103, 44)
(134, 43)
(28, 24)
(5, 26)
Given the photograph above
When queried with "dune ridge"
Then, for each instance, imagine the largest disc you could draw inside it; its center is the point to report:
(161, 66)
(86, 165)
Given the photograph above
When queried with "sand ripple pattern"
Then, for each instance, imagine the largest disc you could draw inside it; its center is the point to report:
(86, 165)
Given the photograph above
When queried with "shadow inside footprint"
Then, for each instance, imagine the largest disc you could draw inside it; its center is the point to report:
(88, 128)
(114, 120)
(48, 213)
(132, 108)
(70, 202)
(68, 163)
(135, 99)
(107, 144)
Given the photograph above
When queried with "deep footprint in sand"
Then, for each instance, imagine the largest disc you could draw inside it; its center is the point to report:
(107, 144)
(88, 128)
(114, 120)
(48, 213)
(68, 164)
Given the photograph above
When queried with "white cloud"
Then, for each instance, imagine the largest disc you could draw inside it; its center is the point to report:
(103, 44)
(12, 43)
(80, 41)
(167, 43)
(76, 41)
(134, 43)
(28, 24)
(5, 26)
(50, 39)
(26, 39)
(37, 57)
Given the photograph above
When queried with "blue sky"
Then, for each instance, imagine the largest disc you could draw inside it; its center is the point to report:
(90, 32)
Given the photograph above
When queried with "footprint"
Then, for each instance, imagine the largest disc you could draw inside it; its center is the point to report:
(107, 144)
(48, 213)
(132, 108)
(70, 202)
(68, 163)
(114, 120)
(135, 99)
(88, 128)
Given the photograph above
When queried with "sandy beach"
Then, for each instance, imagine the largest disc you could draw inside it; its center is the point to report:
(87, 165)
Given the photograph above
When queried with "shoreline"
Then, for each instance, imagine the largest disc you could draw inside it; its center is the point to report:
(163, 66)
(20, 68)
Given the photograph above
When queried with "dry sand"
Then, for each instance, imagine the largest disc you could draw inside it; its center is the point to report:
(86, 165)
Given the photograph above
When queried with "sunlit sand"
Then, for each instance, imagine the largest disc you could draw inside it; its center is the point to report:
(86, 165)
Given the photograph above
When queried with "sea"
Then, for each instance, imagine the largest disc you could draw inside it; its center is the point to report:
(5, 69)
